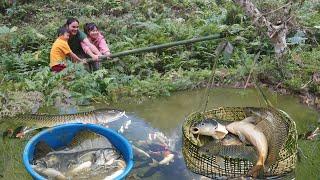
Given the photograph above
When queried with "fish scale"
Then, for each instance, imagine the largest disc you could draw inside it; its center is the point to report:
(86, 140)
(95, 116)
(275, 129)
(230, 151)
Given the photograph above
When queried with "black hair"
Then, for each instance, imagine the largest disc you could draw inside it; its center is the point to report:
(71, 20)
(62, 30)
(89, 27)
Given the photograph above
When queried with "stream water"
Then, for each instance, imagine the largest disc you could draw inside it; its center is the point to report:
(165, 116)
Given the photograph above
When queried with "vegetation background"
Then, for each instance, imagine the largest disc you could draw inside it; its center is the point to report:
(28, 29)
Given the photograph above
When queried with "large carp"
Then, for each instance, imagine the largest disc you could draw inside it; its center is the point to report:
(230, 148)
(270, 121)
(264, 129)
(255, 136)
(35, 121)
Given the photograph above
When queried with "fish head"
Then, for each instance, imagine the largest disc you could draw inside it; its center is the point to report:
(108, 115)
(209, 127)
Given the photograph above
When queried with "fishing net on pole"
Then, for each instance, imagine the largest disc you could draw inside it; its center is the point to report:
(218, 167)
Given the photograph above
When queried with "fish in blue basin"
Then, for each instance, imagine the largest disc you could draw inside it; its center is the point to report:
(88, 155)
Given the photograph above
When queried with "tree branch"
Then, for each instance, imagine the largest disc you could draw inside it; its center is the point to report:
(276, 33)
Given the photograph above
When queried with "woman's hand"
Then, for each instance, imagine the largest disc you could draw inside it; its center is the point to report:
(92, 47)
(83, 61)
(95, 57)
(108, 54)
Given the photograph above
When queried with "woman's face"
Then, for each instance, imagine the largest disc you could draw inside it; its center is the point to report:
(94, 33)
(73, 28)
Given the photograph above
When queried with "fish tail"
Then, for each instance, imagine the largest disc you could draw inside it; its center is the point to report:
(261, 160)
(256, 171)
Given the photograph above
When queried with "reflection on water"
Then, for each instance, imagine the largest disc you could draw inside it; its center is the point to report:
(154, 145)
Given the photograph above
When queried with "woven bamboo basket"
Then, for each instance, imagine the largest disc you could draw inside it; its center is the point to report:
(222, 168)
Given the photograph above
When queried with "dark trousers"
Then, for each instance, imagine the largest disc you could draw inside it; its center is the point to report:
(57, 68)
(93, 66)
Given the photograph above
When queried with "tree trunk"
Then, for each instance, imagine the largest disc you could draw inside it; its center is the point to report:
(276, 33)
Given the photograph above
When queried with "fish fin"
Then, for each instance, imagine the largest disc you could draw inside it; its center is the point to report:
(220, 134)
(23, 131)
(28, 131)
(249, 119)
(242, 137)
(19, 132)
(256, 171)
(198, 140)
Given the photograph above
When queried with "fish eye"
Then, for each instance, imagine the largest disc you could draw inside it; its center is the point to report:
(202, 124)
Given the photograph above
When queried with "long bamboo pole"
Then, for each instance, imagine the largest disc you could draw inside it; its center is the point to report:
(156, 47)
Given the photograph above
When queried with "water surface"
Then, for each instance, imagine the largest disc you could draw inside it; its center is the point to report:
(166, 115)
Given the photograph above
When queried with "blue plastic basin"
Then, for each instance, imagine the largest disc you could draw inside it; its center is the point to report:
(61, 135)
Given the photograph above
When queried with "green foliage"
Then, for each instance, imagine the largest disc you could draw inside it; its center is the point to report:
(28, 30)
(309, 13)
(16, 102)
(295, 83)
(16, 67)
(29, 39)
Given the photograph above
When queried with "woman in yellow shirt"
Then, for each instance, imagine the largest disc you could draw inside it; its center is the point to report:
(60, 50)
